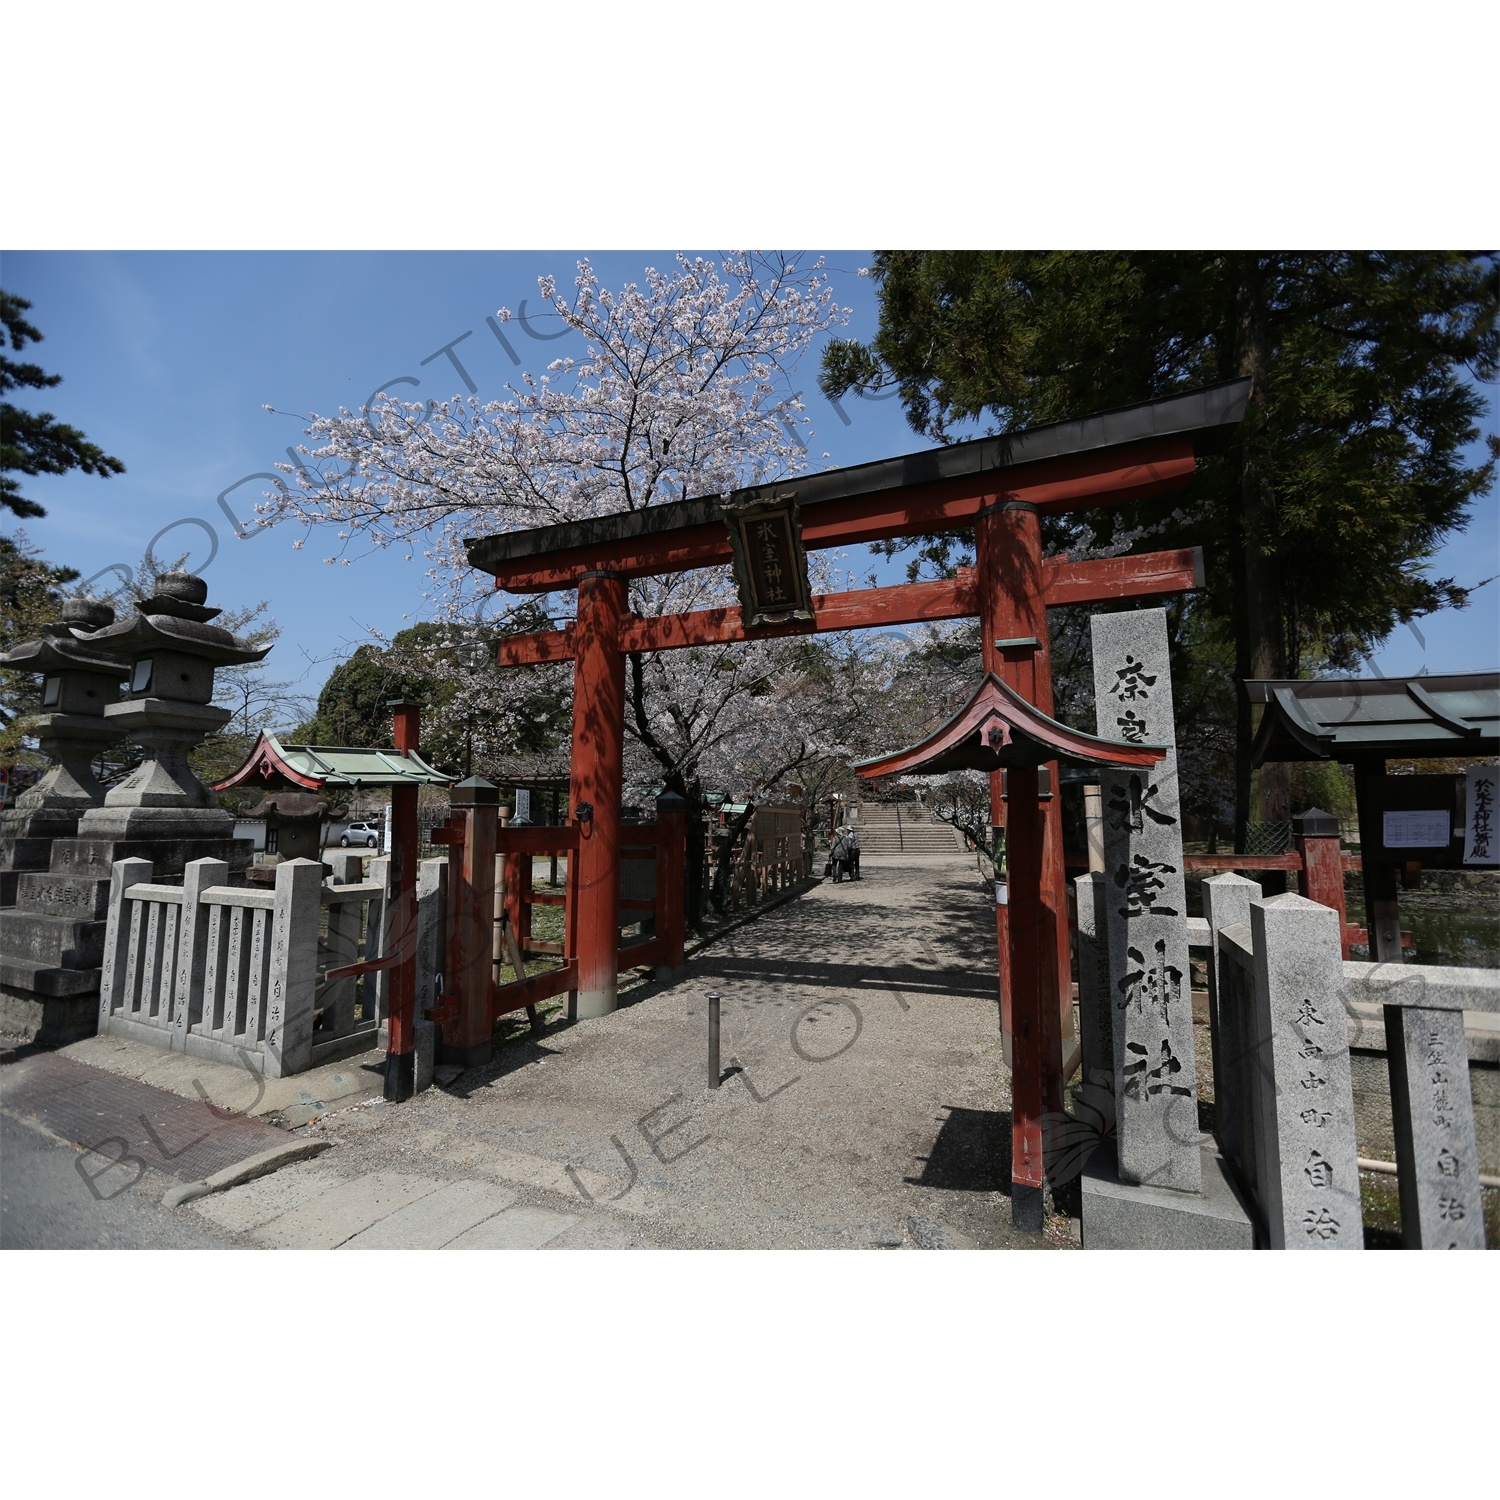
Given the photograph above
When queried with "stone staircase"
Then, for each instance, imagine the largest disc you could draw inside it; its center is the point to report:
(903, 828)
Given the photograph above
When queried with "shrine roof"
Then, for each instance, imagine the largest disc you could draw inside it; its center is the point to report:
(1346, 719)
(318, 766)
(997, 728)
(61, 653)
(142, 632)
(1207, 415)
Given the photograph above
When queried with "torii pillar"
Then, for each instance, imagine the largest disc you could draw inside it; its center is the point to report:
(1035, 956)
(598, 778)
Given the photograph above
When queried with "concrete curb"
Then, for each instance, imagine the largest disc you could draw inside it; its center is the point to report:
(244, 1171)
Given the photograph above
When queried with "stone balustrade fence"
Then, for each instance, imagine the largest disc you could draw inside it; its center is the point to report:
(236, 973)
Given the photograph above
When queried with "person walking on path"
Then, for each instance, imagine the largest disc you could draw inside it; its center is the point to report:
(839, 854)
(853, 853)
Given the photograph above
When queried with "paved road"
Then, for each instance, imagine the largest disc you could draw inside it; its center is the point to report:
(47, 1204)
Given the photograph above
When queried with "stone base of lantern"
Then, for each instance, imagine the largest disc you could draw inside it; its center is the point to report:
(1127, 1216)
(156, 823)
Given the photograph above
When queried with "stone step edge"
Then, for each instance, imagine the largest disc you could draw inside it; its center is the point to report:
(248, 1170)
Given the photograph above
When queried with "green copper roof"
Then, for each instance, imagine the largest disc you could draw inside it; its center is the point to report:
(344, 766)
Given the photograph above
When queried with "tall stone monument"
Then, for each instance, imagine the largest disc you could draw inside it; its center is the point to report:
(1156, 1087)
(52, 939)
(1158, 1188)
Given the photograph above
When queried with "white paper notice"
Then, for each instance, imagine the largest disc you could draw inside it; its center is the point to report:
(1479, 816)
(523, 803)
(1418, 829)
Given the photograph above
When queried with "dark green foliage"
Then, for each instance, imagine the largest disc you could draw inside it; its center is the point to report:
(34, 442)
(1345, 477)
(352, 706)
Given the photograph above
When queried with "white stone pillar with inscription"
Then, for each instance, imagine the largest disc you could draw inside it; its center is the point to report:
(1433, 1113)
(1155, 1075)
(1310, 1187)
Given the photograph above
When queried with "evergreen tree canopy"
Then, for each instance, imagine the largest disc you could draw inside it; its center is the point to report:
(35, 442)
(474, 716)
(352, 706)
(1346, 475)
(31, 597)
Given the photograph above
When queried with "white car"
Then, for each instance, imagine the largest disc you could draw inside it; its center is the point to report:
(367, 834)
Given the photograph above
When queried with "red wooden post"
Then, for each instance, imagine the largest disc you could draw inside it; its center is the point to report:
(671, 883)
(400, 1059)
(517, 900)
(471, 925)
(1322, 873)
(1013, 613)
(1033, 992)
(598, 781)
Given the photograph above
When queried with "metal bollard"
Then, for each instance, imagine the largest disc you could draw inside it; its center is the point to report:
(713, 1038)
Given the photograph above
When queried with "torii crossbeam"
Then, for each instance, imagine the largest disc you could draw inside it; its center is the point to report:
(1000, 487)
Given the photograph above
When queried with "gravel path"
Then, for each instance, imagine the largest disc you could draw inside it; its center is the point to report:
(864, 1102)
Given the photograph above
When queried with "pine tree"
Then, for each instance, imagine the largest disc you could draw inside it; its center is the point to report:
(35, 442)
(1345, 477)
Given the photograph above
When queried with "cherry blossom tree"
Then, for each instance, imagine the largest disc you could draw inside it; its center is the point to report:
(683, 390)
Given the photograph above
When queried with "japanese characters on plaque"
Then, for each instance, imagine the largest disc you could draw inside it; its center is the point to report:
(770, 564)
(1155, 1077)
(1480, 846)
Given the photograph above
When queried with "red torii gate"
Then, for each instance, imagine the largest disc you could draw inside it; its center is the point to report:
(1001, 487)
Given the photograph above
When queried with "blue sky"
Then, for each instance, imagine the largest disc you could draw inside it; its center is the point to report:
(169, 359)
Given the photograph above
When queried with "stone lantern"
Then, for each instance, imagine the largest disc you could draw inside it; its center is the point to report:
(294, 824)
(79, 681)
(52, 937)
(173, 651)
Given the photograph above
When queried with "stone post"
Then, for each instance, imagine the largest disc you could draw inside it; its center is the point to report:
(1155, 1075)
(124, 874)
(432, 931)
(378, 944)
(192, 945)
(343, 944)
(1226, 903)
(1310, 1187)
(1437, 1156)
(294, 967)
